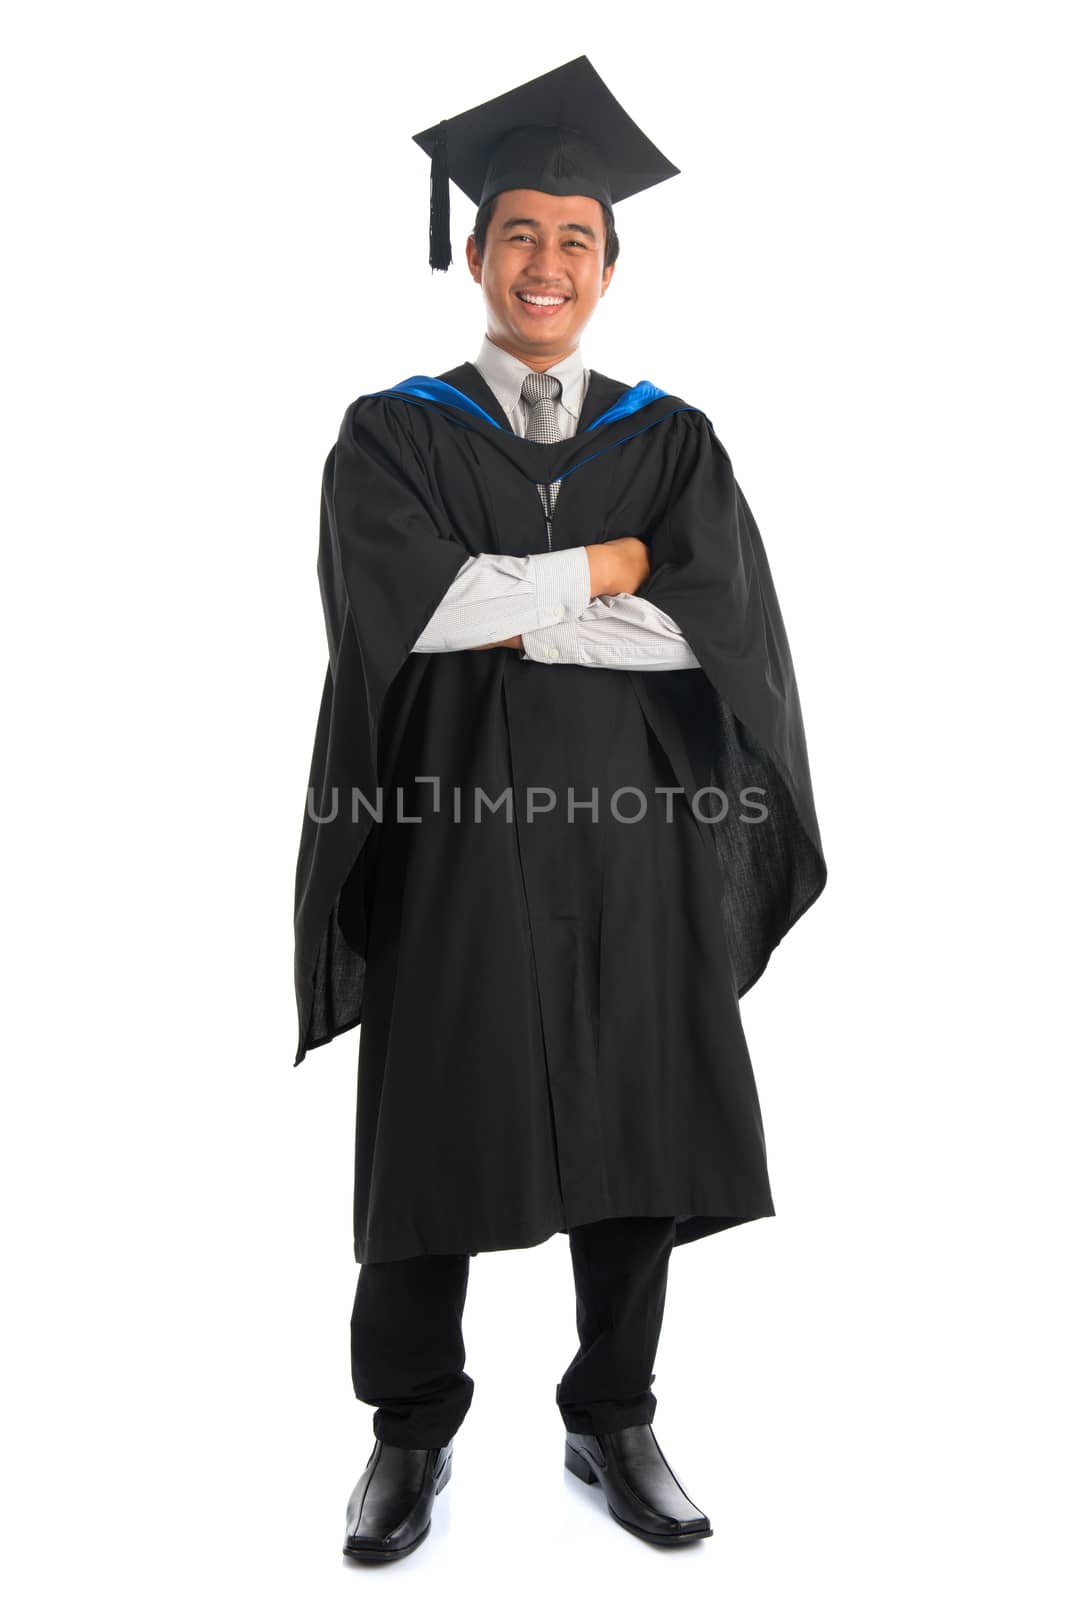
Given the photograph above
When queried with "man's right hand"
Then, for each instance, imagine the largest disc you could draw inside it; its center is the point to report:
(618, 566)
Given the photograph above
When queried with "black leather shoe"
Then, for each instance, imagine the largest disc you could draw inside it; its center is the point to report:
(643, 1493)
(390, 1508)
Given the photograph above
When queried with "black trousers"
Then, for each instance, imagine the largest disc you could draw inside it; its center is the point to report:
(407, 1334)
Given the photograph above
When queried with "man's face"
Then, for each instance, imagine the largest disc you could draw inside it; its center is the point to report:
(550, 246)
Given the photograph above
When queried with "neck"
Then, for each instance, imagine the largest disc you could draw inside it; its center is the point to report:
(536, 360)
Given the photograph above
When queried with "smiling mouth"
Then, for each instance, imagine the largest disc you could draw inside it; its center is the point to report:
(550, 305)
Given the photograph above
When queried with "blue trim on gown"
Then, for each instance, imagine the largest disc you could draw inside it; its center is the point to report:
(422, 390)
(439, 393)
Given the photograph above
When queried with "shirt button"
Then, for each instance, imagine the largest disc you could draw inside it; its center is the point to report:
(554, 654)
(558, 611)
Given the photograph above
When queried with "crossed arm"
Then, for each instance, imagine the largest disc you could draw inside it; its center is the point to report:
(575, 605)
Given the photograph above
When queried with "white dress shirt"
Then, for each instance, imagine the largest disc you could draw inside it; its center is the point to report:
(546, 597)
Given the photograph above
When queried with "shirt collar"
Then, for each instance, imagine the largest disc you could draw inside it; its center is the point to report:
(505, 373)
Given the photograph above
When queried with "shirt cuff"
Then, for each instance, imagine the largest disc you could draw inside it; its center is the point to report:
(557, 642)
(561, 585)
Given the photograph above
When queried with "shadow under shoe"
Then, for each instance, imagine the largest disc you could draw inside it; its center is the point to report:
(390, 1509)
(643, 1494)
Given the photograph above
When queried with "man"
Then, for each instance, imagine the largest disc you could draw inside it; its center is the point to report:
(511, 874)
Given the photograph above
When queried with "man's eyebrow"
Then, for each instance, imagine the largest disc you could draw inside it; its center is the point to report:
(529, 222)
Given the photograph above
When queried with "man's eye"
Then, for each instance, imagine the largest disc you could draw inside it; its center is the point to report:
(580, 242)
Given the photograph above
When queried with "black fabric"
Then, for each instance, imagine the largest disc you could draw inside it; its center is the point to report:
(620, 1267)
(407, 1348)
(408, 1351)
(550, 1029)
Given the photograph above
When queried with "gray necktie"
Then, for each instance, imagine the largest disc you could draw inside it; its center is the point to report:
(541, 392)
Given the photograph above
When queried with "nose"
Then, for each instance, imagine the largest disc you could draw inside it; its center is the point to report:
(550, 259)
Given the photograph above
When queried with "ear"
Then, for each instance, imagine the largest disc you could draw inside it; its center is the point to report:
(606, 277)
(474, 260)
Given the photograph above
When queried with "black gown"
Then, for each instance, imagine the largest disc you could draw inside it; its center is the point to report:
(549, 999)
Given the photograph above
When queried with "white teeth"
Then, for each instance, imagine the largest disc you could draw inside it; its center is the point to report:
(543, 299)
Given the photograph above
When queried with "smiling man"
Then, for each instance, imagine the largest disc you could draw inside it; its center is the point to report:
(543, 262)
(556, 826)
(543, 288)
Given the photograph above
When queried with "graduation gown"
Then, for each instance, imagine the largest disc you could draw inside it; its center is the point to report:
(548, 995)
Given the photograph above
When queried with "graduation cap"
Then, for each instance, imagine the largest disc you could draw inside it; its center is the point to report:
(562, 133)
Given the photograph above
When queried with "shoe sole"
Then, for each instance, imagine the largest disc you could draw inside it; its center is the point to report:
(576, 1463)
(370, 1553)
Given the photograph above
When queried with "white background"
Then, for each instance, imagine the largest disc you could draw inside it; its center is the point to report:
(216, 238)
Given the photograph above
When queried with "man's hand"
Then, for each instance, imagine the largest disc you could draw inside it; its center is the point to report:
(618, 566)
(514, 643)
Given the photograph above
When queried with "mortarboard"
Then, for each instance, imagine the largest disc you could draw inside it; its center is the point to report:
(562, 133)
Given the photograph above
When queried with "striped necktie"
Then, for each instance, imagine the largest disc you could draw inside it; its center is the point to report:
(541, 392)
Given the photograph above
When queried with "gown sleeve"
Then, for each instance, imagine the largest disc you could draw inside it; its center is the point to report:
(737, 726)
(387, 555)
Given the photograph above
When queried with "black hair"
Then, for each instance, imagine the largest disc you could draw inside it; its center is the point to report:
(485, 217)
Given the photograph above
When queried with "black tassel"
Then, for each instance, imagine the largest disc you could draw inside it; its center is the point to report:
(440, 237)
